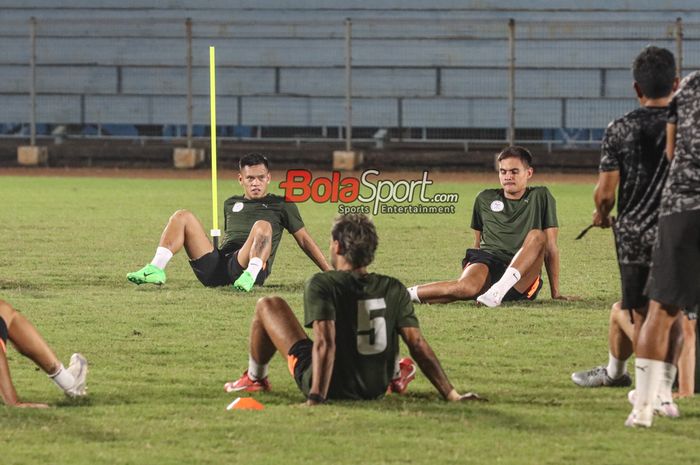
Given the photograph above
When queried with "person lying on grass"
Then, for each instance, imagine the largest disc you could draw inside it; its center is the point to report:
(27, 340)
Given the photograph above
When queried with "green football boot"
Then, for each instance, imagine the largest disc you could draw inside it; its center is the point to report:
(149, 274)
(244, 282)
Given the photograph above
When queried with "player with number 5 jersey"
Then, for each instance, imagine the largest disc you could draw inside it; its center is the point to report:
(368, 311)
(356, 318)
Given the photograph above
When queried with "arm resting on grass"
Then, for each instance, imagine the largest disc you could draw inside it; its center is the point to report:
(7, 389)
(323, 358)
(424, 356)
(307, 244)
(551, 261)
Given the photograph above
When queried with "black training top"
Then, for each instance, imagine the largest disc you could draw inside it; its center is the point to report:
(682, 191)
(634, 145)
(240, 214)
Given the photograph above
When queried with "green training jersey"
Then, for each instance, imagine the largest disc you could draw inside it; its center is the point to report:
(504, 223)
(241, 213)
(368, 311)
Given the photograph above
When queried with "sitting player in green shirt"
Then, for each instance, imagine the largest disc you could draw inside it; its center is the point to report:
(28, 342)
(515, 231)
(253, 224)
(356, 318)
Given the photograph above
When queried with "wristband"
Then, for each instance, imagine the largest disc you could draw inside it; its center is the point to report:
(318, 398)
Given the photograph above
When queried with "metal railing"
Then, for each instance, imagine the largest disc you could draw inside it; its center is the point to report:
(410, 81)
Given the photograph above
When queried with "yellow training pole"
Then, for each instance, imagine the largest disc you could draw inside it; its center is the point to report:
(215, 232)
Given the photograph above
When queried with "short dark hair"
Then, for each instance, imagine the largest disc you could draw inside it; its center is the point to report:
(252, 159)
(357, 237)
(515, 151)
(654, 71)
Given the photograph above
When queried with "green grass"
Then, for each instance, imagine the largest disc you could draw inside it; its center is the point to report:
(159, 357)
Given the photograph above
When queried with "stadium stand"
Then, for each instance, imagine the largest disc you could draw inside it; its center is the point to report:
(426, 71)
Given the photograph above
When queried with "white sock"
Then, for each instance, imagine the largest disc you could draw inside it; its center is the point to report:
(255, 370)
(648, 376)
(666, 386)
(508, 280)
(63, 378)
(162, 257)
(413, 292)
(616, 367)
(254, 266)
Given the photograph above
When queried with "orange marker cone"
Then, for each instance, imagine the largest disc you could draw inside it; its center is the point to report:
(245, 403)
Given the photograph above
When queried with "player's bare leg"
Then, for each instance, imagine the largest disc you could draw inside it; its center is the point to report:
(254, 254)
(655, 353)
(474, 279)
(258, 244)
(28, 342)
(523, 270)
(621, 332)
(183, 230)
(663, 399)
(274, 328)
(686, 360)
(665, 391)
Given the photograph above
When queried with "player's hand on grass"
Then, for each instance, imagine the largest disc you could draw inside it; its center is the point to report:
(566, 298)
(454, 396)
(30, 405)
(472, 396)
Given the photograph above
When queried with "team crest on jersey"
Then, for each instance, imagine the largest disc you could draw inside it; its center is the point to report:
(238, 206)
(497, 206)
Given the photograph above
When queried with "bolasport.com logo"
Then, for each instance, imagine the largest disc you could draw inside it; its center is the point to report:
(382, 195)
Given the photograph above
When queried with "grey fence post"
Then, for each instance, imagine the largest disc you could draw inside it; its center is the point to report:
(511, 82)
(32, 81)
(188, 27)
(348, 84)
(399, 114)
(679, 47)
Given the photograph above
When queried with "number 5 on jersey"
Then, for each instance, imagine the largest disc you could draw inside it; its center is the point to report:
(371, 326)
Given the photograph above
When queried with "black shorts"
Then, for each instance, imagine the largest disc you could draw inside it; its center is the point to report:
(496, 269)
(675, 269)
(634, 278)
(216, 269)
(299, 364)
(3, 335)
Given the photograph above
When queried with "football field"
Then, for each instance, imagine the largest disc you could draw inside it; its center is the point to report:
(160, 356)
